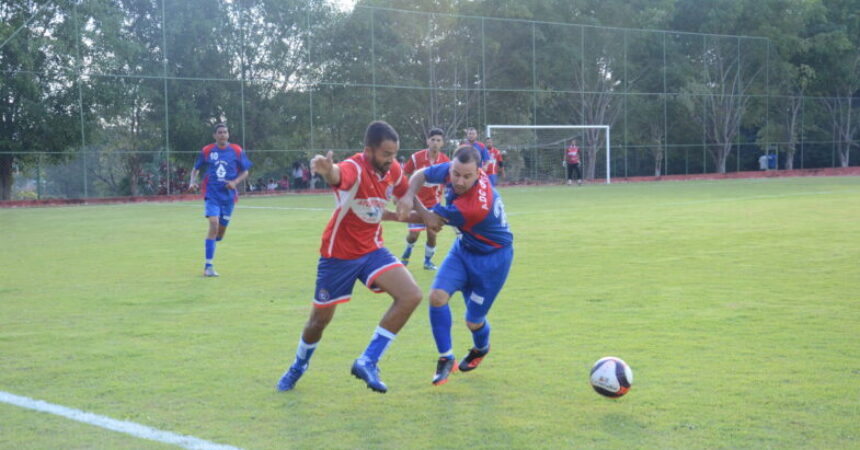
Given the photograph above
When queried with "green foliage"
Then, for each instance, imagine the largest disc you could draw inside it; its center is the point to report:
(734, 302)
(300, 76)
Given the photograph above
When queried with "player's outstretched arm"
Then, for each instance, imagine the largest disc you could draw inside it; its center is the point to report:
(433, 221)
(192, 183)
(326, 168)
(407, 202)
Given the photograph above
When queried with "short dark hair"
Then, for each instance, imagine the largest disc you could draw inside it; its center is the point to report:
(436, 132)
(379, 131)
(466, 154)
(218, 126)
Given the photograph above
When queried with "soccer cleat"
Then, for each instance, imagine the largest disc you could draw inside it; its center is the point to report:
(579, 182)
(369, 372)
(428, 265)
(210, 272)
(474, 358)
(444, 367)
(290, 378)
(569, 182)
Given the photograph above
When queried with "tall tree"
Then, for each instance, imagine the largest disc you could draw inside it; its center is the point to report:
(39, 107)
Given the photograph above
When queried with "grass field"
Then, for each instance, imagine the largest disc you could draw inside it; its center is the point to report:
(737, 304)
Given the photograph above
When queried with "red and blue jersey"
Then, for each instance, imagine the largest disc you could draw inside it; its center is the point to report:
(223, 165)
(355, 227)
(479, 214)
(431, 193)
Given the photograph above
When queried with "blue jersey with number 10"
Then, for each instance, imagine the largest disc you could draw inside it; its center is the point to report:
(479, 214)
(224, 164)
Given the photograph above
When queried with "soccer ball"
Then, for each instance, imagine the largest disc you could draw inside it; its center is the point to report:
(611, 377)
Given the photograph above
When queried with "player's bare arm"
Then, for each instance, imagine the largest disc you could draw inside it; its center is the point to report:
(433, 221)
(192, 183)
(233, 183)
(326, 168)
(407, 202)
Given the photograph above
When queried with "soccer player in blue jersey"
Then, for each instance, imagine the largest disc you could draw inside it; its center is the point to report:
(479, 260)
(227, 166)
(472, 138)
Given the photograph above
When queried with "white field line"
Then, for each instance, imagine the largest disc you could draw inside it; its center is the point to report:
(122, 426)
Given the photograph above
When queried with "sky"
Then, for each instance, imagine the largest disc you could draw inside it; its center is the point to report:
(344, 5)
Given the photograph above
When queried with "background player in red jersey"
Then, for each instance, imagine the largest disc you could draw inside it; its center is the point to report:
(352, 249)
(495, 168)
(571, 160)
(430, 194)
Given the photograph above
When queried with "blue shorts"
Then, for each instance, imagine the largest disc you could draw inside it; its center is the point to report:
(222, 208)
(336, 277)
(492, 179)
(479, 276)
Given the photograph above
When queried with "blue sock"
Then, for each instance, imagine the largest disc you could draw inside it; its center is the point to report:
(378, 345)
(303, 354)
(440, 324)
(210, 251)
(218, 239)
(481, 337)
(408, 252)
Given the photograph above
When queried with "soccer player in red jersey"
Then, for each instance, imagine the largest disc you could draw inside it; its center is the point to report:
(352, 250)
(495, 167)
(430, 195)
(571, 160)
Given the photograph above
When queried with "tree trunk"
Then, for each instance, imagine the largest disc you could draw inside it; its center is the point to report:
(789, 157)
(6, 177)
(843, 155)
(720, 160)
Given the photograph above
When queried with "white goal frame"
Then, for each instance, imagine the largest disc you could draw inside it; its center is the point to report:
(490, 129)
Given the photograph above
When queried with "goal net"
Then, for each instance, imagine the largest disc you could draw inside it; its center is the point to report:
(535, 153)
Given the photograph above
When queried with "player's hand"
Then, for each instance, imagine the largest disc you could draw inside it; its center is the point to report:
(231, 185)
(192, 187)
(434, 222)
(404, 206)
(323, 164)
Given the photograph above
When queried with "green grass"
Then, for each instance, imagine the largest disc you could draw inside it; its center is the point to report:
(737, 304)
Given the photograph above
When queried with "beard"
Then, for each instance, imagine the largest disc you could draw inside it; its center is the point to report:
(382, 168)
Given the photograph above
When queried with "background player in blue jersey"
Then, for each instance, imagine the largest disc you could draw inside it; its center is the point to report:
(479, 260)
(472, 138)
(227, 166)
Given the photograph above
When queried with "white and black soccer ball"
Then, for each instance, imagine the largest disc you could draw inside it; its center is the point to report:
(611, 377)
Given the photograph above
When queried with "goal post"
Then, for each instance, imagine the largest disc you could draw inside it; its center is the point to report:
(493, 132)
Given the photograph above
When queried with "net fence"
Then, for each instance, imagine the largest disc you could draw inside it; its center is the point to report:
(116, 98)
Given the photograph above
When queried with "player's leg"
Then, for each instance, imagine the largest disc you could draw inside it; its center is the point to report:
(311, 335)
(383, 272)
(569, 173)
(224, 219)
(491, 271)
(578, 173)
(213, 212)
(430, 251)
(411, 238)
(335, 280)
(451, 277)
(492, 178)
